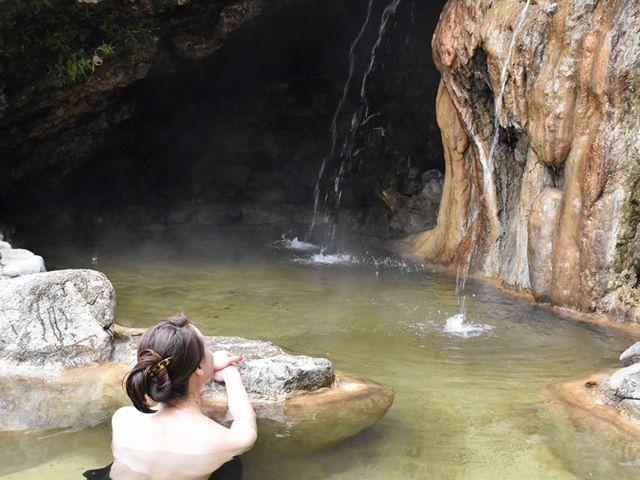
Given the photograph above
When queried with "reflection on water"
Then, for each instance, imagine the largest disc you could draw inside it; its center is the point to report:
(467, 405)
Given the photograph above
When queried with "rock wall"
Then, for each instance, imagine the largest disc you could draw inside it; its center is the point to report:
(66, 66)
(552, 206)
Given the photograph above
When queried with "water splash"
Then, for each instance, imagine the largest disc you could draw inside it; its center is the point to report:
(295, 244)
(328, 259)
(459, 327)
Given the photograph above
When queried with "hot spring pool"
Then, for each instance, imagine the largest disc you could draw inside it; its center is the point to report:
(468, 403)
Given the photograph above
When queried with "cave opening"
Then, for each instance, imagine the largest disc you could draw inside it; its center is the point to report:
(239, 136)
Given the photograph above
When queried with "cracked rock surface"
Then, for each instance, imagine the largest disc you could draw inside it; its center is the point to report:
(62, 318)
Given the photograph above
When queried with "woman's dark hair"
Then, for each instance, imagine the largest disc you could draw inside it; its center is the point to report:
(174, 338)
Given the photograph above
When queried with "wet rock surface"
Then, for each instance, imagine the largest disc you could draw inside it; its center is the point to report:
(165, 126)
(62, 318)
(567, 119)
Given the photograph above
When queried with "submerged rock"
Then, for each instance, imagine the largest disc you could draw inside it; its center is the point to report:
(631, 355)
(61, 318)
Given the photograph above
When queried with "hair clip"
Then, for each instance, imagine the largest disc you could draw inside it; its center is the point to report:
(159, 367)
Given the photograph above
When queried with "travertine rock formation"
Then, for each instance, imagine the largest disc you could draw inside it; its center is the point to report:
(553, 206)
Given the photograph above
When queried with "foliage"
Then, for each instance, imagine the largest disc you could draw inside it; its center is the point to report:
(58, 42)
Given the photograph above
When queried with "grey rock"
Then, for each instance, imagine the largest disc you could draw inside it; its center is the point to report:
(281, 376)
(625, 383)
(16, 262)
(631, 407)
(21, 267)
(631, 355)
(3, 244)
(251, 349)
(268, 372)
(60, 318)
(15, 254)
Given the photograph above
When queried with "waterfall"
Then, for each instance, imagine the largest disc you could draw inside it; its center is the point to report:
(336, 115)
(488, 167)
(503, 84)
(359, 117)
(486, 160)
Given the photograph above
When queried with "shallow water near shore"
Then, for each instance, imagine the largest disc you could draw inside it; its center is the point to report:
(469, 389)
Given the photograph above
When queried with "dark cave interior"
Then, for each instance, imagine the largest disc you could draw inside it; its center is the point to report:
(240, 135)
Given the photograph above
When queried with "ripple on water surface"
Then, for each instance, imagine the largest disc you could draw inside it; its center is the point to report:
(469, 401)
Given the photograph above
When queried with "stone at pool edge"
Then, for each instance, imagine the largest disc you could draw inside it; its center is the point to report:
(631, 355)
(624, 383)
(61, 318)
(268, 372)
(16, 262)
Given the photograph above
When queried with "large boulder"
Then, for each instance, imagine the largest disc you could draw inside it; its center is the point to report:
(534, 95)
(62, 318)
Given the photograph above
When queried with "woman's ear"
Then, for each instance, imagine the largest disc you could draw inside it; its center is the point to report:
(199, 370)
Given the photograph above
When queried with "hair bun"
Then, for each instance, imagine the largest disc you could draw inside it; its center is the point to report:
(168, 354)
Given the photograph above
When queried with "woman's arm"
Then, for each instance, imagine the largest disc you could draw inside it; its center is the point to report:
(243, 431)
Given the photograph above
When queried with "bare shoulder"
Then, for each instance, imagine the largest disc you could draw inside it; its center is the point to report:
(211, 433)
(124, 415)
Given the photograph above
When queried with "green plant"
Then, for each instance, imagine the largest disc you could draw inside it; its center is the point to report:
(58, 42)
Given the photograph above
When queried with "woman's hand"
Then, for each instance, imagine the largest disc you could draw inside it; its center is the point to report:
(221, 360)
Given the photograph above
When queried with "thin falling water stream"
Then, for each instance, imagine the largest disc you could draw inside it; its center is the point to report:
(336, 115)
(359, 117)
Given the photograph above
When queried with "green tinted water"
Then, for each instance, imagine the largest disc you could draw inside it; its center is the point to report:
(468, 401)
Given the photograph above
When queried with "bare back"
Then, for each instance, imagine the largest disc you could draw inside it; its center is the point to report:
(170, 444)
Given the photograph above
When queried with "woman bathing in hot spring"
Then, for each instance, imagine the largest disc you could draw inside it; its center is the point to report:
(175, 440)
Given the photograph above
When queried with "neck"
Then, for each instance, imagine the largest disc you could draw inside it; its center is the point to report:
(191, 402)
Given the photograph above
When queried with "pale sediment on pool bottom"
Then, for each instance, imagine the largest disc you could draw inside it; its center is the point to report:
(610, 397)
(62, 362)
